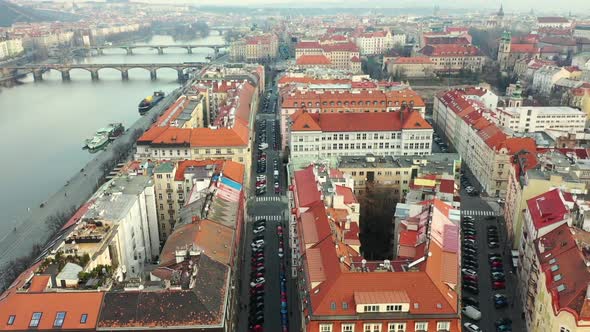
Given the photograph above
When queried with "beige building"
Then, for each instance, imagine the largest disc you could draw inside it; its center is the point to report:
(413, 67)
(395, 173)
(486, 149)
(10, 48)
(255, 48)
(450, 58)
(227, 136)
(530, 176)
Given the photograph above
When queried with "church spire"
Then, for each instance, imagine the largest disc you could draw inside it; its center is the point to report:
(501, 11)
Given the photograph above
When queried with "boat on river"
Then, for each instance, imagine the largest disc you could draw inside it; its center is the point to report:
(150, 101)
(97, 142)
(104, 135)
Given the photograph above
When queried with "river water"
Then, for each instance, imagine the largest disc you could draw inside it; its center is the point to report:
(43, 125)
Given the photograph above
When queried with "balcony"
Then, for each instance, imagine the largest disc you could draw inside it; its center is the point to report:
(169, 190)
(170, 200)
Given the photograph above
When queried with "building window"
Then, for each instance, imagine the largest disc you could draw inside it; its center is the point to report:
(371, 308)
(59, 319)
(421, 326)
(396, 327)
(35, 319)
(564, 329)
(347, 327)
(443, 326)
(325, 327)
(372, 327)
(396, 307)
(11, 319)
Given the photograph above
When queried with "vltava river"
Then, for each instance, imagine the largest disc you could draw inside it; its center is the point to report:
(43, 125)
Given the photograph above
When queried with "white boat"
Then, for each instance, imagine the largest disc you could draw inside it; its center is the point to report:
(97, 142)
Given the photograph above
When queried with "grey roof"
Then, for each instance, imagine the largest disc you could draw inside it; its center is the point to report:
(69, 272)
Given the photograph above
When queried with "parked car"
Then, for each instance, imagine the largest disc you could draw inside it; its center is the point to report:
(471, 312)
(470, 300)
(503, 321)
(470, 327)
(470, 278)
(498, 285)
(469, 272)
(500, 301)
(471, 289)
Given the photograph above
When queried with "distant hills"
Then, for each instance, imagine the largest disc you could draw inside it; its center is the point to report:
(11, 13)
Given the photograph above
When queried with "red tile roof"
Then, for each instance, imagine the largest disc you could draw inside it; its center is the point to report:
(74, 304)
(307, 190)
(450, 50)
(349, 197)
(524, 48)
(308, 44)
(39, 283)
(340, 47)
(547, 209)
(313, 60)
(447, 186)
(413, 60)
(353, 122)
(558, 248)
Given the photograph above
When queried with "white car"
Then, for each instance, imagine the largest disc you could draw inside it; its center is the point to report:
(471, 312)
(501, 201)
(259, 230)
(257, 243)
(470, 327)
(469, 272)
(281, 252)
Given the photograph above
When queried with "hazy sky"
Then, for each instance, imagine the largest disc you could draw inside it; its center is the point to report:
(582, 6)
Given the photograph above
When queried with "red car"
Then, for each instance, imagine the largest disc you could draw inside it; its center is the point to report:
(498, 285)
(261, 183)
(496, 264)
(470, 277)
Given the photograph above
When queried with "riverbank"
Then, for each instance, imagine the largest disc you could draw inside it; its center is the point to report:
(33, 230)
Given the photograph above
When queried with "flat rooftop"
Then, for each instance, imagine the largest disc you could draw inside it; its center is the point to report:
(436, 162)
(544, 110)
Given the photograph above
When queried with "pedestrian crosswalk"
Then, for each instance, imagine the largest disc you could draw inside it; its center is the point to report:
(268, 199)
(268, 218)
(478, 213)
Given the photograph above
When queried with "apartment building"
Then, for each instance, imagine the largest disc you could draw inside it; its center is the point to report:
(342, 55)
(255, 48)
(372, 43)
(10, 48)
(486, 149)
(555, 120)
(397, 173)
(454, 57)
(342, 291)
(227, 137)
(411, 67)
(193, 284)
(555, 22)
(333, 97)
(532, 174)
(315, 136)
(545, 78)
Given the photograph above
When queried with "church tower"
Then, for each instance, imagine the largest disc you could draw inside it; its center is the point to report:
(504, 50)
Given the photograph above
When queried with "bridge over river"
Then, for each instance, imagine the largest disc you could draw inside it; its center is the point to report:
(160, 48)
(93, 69)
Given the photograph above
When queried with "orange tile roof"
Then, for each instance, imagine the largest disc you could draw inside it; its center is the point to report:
(313, 60)
(74, 304)
(413, 60)
(184, 164)
(450, 50)
(234, 171)
(305, 122)
(353, 122)
(381, 297)
(39, 283)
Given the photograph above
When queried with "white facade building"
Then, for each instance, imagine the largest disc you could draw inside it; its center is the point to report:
(328, 135)
(545, 78)
(556, 119)
(129, 203)
(10, 48)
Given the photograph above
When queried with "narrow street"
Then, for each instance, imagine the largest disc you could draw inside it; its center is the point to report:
(270, 206)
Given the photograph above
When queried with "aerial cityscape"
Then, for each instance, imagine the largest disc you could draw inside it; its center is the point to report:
(332, 166)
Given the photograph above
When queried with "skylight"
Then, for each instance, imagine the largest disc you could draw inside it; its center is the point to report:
(554, 268)
(561, 288)
(557, 277)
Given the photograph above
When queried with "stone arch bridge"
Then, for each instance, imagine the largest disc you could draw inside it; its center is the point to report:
(160, 48)
(38, 69)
